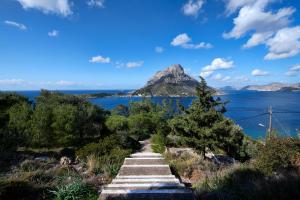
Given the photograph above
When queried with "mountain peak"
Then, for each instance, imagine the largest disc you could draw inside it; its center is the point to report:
(171, 81)
(173, 73)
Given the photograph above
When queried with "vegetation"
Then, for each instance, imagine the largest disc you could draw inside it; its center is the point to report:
(203, 125)
(63, 147)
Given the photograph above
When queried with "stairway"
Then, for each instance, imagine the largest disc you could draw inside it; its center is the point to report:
(145, 176)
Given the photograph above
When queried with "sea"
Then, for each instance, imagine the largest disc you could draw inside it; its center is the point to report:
(249, 109)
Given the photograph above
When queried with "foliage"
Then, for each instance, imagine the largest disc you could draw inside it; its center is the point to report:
(63, 120)
(76, 190)
(116, 123)
(15, 113)
(248, 183)
(158, 143)
(277, 154)
(203, 125)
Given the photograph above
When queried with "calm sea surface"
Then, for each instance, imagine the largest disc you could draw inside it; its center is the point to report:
(246, 108)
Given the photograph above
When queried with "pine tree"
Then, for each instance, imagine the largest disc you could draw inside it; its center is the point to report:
(203, 126)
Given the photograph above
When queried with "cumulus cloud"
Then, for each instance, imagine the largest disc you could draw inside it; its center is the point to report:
(220, 77)
(99, 59)
(134, 64)
(192, 7)
(16, 24)
(216, 64)
(284, 44)
(159, 49)
(184, 41)
(266, 27)
(96, 3)
(53, 33)
(259, 72)
(60, 7)
(293, 71)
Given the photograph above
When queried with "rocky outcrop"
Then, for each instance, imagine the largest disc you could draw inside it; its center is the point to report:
(172, 81)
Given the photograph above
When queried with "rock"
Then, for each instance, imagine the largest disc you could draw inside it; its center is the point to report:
(42, 158)
(65, 161)
(172, 81)
(182, 151)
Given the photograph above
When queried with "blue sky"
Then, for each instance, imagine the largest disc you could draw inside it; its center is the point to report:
(118, 44)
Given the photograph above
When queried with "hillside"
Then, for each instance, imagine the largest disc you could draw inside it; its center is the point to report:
(274, 87)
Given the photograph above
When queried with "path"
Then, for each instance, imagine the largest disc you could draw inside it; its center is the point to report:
(146, 176)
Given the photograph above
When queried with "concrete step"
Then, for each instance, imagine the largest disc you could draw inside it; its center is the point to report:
(144, 176)
(145, 170)
(144, 186)
(146, 155)
(144, 161)
(163, 194)
(148, 180)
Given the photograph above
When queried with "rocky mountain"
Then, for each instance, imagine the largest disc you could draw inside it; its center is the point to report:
(172, 81)
(274, 87)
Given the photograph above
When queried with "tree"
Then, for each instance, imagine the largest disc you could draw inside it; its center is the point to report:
(14, 109)
(203, 125)
(19, 122)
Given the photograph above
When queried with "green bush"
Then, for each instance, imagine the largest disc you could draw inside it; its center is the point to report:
(106, 145)
(76, 190)
(30, 165)
(22, 190)
(158, 143)
(277, 154)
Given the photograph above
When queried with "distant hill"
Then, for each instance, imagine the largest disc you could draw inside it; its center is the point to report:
(274, 87)
(228, 88)
(170, 82)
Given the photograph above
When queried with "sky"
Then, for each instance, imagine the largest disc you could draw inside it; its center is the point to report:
(120, 44)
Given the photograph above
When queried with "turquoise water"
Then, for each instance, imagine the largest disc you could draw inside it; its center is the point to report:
(243, 107)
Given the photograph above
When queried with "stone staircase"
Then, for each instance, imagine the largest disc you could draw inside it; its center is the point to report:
(146, 176)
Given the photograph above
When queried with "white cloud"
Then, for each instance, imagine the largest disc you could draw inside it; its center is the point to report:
(11, 82)
(192, 7)
(60, 7)
(134, 64)
(206, 74)
(234, 5)
(242, 78)
(216, 64)
(184, 41)
(284, 44)
(99, 59)
(266, 27)
(259, 72)
(293, 71)
(220, 77)
(159, 49)
(16, 24)
(53, 33)
(96, 3)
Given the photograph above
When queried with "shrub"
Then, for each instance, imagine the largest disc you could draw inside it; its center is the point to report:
(22, 190)
(76, 190)
(277, 154)
(30, 165)
(105, 146)
(158, 143)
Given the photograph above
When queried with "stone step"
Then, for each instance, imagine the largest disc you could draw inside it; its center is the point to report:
(163, 194)
(144, 161)
(146, 155)
(144, 186)
(148, 180)
(145, 170)
(144, 176)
